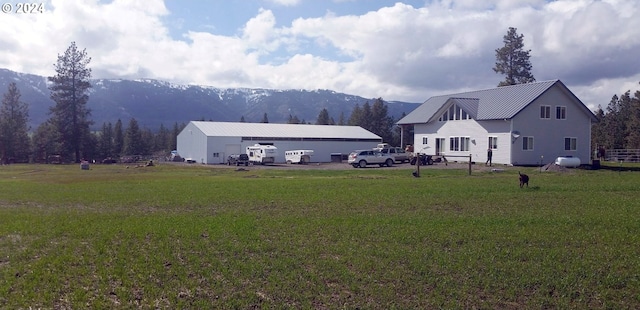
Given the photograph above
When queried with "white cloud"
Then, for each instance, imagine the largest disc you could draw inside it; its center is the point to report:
(286, 2)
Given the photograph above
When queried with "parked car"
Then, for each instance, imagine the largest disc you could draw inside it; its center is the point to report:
(398, 153)
(238, 159)
(362, 158)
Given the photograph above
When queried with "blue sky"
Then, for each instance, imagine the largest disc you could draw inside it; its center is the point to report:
(397, 50)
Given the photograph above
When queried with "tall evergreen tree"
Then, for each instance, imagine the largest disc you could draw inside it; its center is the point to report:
(45, 142)
(381, 122)
(105, 141)
(598, 132)
(632, 140)
(355, 118)
(14, 128)
(162, 141)
(133, 139)
(118, 139)
(176, 131)
(69, 90)
(341, 120)
(323, 118)
(265, 119)
(513, 61)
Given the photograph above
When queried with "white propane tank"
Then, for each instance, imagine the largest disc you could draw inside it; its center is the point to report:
(568, 161)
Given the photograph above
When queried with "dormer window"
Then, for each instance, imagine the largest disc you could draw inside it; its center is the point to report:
(454, 113)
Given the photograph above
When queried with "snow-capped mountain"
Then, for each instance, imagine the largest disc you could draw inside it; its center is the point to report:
(153, 102)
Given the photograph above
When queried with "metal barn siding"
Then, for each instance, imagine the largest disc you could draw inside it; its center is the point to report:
(212, 142)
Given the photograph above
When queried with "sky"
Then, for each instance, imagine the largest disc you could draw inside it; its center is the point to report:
(397, 50)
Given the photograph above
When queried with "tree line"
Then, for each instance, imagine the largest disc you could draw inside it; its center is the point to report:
(618, 125)
(66, 135)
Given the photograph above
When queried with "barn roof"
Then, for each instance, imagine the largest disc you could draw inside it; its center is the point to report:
(495, 103)
(271, 130)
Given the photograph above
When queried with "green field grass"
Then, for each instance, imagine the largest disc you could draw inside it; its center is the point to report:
(199, 237)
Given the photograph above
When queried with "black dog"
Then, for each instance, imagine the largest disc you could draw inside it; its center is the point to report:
(524, 179)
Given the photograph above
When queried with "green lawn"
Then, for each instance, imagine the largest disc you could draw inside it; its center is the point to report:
(197, 237)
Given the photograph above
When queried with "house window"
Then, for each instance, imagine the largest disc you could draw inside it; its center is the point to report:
(424, 140)
(570, 144)
(454, 112)
(216, 154)
(545, 111)
(444, 117)
(459, 144)
(493, 143)
(561, 112)
(527, 143)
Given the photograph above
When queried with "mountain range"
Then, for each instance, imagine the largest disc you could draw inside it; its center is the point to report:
(153, 102)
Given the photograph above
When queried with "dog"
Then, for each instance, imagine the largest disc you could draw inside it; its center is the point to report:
(524, 179)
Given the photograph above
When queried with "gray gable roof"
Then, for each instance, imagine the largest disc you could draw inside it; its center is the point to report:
(495, 103)
(273, 130)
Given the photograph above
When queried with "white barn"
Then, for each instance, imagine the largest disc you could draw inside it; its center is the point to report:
(212, 142)
(525, 124)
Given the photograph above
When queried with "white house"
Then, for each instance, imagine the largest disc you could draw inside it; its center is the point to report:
(525, 124)
(212, 142)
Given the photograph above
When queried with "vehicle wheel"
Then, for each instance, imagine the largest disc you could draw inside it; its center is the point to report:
(412, 161)
(389, 162)
(288, 162)
(362, 164)
(429, 161)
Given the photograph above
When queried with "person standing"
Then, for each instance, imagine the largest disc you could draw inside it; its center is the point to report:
(489, 155)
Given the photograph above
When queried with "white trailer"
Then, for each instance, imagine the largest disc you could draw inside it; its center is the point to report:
(262, 153)
(298, 156)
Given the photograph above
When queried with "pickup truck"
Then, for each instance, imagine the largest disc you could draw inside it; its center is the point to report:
(398, 153)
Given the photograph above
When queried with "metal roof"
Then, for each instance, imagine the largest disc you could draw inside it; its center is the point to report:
(495, 103)
(272, 130)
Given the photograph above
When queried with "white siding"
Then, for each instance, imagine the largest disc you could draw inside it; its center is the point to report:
(478, 134)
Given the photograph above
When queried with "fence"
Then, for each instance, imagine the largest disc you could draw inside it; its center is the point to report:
(626, 155)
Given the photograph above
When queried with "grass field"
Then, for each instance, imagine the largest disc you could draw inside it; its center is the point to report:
(203, 237)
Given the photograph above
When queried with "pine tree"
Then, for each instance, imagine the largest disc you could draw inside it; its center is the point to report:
(14, 128)
(45, 142)
(69, 90)
(265, 119)
(632, 140)
(323, 118)
(381, 123)
(105, 141)
(341, 120)
(513, 61)
(355, 119)
(118, 139)
(133, 139)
